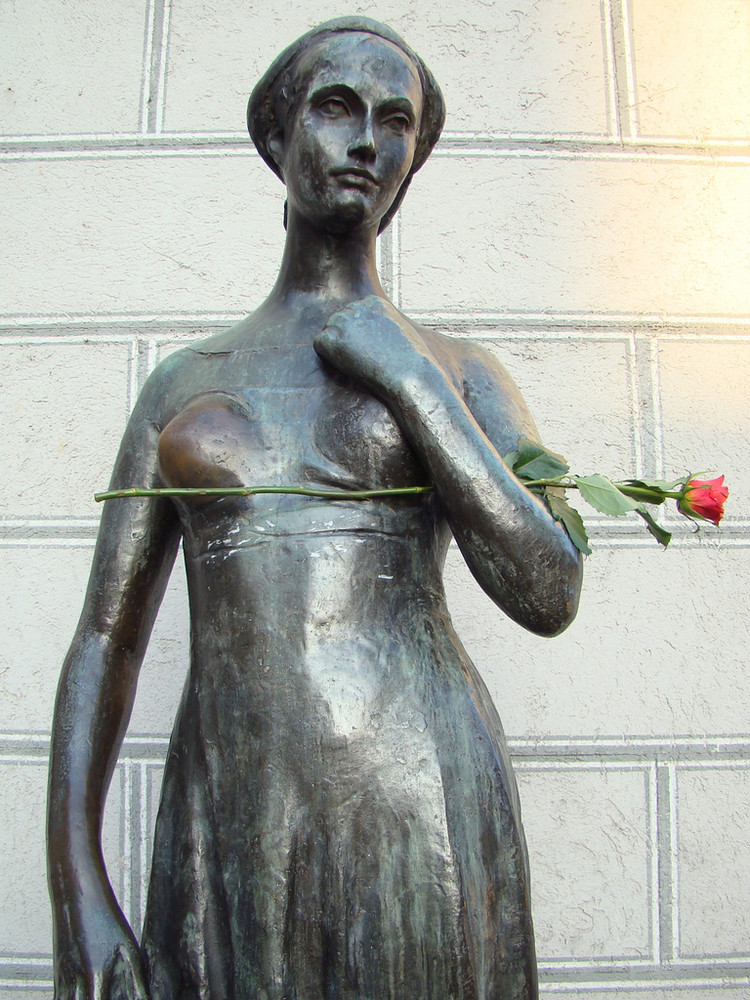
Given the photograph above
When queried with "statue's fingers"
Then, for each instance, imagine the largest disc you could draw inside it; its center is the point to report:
(127, 981)
(374, 302)
(72, 985)
(333, 327)
(80, 990)
(328, 340)
(98, 986)
(138, 985)
(69, 989)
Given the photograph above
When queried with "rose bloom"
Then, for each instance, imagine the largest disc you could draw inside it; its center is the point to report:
(704, 498)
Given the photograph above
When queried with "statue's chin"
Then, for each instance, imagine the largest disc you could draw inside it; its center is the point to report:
(354, 214)
(345, 223)
(354, 211)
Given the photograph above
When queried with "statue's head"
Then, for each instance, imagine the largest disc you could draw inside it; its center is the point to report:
(345, 116)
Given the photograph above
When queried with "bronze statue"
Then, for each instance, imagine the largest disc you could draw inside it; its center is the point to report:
(338, 818)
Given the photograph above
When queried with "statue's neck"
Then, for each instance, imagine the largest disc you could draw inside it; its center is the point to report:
(327, 267)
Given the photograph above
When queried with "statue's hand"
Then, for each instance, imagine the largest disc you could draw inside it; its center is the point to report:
(96, 954)
(372, 341)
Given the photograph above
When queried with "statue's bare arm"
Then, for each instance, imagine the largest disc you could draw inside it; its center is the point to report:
(96, 955)
(519, 554)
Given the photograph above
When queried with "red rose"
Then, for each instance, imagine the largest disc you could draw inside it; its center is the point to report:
(704, 498)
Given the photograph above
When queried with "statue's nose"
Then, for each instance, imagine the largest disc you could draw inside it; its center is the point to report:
(363, 144)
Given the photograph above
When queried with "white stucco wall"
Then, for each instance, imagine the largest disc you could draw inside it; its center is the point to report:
(586, 215)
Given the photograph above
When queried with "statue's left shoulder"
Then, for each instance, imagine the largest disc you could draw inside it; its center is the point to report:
(486, 386)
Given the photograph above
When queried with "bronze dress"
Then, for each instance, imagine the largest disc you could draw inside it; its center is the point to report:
(339, 818)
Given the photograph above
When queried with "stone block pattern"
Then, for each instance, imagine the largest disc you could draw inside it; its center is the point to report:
(206, 235)
(76, 427)
(502, 67)
(72, 68)
(585, 218)
(605, 235)
(682, 88)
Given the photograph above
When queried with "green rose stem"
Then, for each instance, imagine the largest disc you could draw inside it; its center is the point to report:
(656, 496)
(636, 492)
(249, 491)
(541, 471)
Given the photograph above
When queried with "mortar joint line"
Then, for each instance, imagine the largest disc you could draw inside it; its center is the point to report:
(633, 378)
(623, 70)
(652, 794)
(647, 432)
(146, 835)
(152, 355)
(148, 40)
(657, 409)
(126, 793)
(155, 69)
(674, 858)
(664, 864)
(396, 260)
(610, 71)
(136, 837)
(162, 77)
(629, 59)
(132, 375)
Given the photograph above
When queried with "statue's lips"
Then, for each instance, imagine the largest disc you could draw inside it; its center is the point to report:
(356, 175)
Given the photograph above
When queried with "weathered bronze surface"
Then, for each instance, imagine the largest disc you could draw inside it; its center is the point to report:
(339, 818)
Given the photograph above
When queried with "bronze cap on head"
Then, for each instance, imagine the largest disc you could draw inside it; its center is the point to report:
(263, 114)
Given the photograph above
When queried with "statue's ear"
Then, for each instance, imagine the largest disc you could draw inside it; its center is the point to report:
(275, 145)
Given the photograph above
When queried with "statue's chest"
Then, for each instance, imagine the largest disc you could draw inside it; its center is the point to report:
(324, 433)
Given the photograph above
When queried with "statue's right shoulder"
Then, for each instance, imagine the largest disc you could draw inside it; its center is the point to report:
(199, 366)
(163, 392)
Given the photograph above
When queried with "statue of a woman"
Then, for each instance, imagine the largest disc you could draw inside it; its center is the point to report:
(338, 817)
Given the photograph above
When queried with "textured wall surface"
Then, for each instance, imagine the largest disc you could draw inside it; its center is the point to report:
(586, 216)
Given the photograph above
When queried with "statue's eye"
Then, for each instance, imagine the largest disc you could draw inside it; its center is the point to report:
(334, 107)
(399, 123)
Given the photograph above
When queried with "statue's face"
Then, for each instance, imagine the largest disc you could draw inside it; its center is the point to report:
(350, 142)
